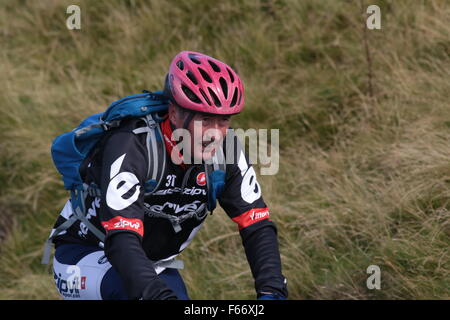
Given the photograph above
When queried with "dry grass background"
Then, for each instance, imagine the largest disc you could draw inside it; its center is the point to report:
(363, 179)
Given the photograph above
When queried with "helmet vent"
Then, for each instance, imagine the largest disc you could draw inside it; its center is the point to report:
(205, 96)
(231, 75)
(205, 75)
(190, 94)
(240, 97)
(180, 64)
(214, 66)
(224, 86)
(216, 100)
(191, 77)
(194, 59)
(233, 101)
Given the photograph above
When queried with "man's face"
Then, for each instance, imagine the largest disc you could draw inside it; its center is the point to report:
(206, 132)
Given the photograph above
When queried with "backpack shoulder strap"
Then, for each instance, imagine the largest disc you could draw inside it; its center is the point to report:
(215, 170)
(156, 151)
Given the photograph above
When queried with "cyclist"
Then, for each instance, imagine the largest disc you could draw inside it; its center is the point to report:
(144, 233)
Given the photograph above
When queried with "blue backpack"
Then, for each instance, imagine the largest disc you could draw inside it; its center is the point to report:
(70, 150)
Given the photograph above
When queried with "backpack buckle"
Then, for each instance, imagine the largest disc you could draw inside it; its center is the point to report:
(111, 124)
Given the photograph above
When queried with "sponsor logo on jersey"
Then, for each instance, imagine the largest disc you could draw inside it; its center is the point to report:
(251, 216)
(201, 179)
(258, 215)
(250, 188)
(83, 283)
(186, 191)
(119, 185)
(175, 208)
(92, 212)
(120, 223)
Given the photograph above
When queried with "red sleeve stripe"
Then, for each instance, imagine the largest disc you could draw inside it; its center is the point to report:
(121, 223)
(251, 216)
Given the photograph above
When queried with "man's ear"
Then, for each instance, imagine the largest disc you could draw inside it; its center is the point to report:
(173, 114)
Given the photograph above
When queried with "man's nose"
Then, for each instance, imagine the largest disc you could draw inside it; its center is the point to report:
(215, 124)
(215, 131)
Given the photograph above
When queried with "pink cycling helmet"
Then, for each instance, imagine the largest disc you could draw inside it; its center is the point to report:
(200, 83)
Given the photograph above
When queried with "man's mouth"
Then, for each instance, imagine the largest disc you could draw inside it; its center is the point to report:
(207, 143)
(209, 146)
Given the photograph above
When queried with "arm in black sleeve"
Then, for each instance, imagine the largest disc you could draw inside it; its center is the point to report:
(125, 253)
(243, 202)
(124, 170)
(261, 248)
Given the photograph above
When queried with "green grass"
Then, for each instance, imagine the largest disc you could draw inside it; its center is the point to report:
(363, 180)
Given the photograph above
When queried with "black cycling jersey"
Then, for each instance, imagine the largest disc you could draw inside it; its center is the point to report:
(135, 239)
